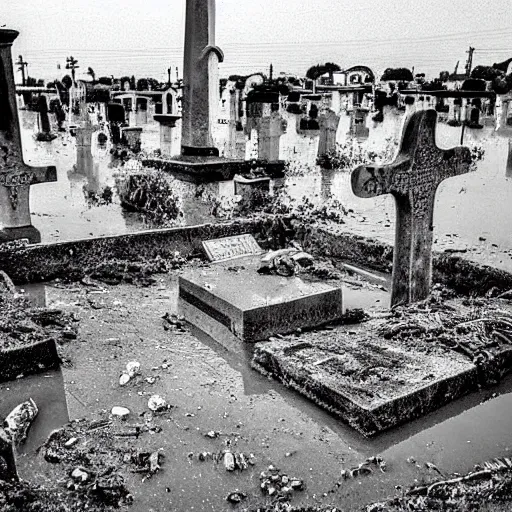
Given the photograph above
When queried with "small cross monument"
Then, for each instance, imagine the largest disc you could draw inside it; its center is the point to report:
(15, 177)
(413, 179)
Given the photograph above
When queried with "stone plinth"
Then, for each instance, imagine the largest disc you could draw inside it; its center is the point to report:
(253, 306)
(167, 124)
(211, 169)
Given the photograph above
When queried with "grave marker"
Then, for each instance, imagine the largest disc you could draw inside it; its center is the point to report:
(413, 179)
(15, 177)
(230, 247)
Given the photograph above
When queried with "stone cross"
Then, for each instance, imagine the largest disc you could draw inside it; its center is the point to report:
(200, 79)
(413, 179)
(15, 177)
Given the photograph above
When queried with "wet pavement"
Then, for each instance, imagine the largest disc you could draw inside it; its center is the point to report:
(215, 389)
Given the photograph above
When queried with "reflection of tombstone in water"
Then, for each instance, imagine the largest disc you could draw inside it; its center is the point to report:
(326, 184)
(84, 159)
(509, 159)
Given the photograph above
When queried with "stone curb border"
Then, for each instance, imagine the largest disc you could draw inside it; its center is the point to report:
(28, 359)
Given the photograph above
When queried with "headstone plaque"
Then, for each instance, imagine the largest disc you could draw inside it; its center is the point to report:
(222, 249)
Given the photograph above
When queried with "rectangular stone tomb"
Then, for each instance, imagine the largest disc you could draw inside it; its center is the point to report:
(370, 382)
(253, 306)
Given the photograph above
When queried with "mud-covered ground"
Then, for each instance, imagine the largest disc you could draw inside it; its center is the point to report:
(175, 458)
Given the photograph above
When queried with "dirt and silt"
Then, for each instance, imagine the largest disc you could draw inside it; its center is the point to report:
(224, 429)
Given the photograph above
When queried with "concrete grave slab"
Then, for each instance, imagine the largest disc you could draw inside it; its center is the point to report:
(371, 383)
(254, 306)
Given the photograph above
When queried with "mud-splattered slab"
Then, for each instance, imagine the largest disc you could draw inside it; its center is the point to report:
(380, 374)
(373, 386)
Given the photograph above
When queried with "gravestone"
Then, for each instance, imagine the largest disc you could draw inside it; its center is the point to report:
(43, 114)
(413, 179)
(15, 177)
(270, 129)
(231, 295)
(328, 121)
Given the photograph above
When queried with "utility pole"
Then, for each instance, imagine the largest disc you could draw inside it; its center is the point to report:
(71, 63)
(469, 63)
(271, 71)
(21, 67)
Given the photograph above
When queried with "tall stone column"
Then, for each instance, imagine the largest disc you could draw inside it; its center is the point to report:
(200, 79)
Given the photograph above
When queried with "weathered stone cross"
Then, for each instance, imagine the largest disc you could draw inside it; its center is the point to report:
(15, 177)
(413, 179)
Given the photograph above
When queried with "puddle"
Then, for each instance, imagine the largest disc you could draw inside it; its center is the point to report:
(47, 391)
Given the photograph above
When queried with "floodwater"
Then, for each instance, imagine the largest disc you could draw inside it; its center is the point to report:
(473, 212)
(223, 391)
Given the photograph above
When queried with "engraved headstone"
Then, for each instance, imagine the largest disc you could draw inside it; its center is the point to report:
(413, 179)
(15, 177)
(230, 247)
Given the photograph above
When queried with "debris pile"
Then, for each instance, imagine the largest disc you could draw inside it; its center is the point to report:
(279, 485)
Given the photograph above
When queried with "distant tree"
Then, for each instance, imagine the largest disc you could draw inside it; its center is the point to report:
(502, 84)
(67, 81)
(153, 84)
(105, 80)
(142, 84)
(126, 83)
(132, 82)
(315, 71)
(444, 76)
(486, 73)
(397, 74)
(91, 73)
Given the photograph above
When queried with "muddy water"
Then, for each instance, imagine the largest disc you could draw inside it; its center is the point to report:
(215, 389)
(473, 212)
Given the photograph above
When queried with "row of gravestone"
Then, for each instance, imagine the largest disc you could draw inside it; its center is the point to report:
(412, 178)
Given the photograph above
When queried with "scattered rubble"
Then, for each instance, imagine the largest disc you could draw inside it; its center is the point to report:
(277, 485)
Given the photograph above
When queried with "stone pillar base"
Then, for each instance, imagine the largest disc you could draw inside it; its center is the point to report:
(26, 232)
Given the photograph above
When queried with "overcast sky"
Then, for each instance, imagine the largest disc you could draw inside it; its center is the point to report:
(145, 37)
